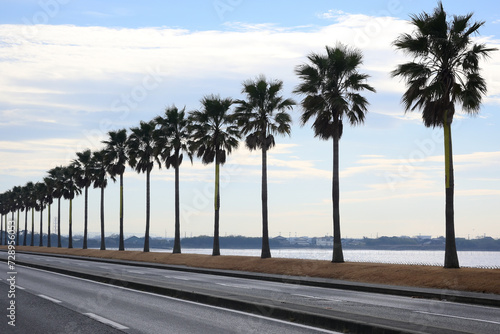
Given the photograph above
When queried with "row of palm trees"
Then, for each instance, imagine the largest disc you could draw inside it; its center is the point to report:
(444, 71)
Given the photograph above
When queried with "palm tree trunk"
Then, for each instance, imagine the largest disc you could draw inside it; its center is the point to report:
(148, 203)
(266, 251)
(338, 256)
(70, 238)
(32, 242)
(25, 226)
(177, 241)
(41, 227)
(48, 223)
(59, 222)
(216, 250)
(122, 243)
(85, 222)
(17, 229)
(450, 256)
(103, 240)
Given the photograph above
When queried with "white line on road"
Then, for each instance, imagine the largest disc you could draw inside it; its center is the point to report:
(51, 299)
(316, 297)
(457, 317)
(105, 321)
(20, 287)
(136, 272)
(176, 277)
(241, 286)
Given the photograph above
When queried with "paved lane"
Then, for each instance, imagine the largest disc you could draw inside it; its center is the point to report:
(140, 312)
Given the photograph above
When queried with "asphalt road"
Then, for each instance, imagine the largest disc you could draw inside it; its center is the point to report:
(53, 303)
(145, 312)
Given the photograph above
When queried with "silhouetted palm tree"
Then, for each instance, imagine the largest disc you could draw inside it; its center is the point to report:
(332, 83)
(116, 157)
(172, 137)
(18, 205)
(29, 203)
(100, 180)
(41, 200)
(57, 174)
(83, 179)
(141, 149)
(215, 134)
(49, 197)
(260, 117)
(444, 71)
(70, 190)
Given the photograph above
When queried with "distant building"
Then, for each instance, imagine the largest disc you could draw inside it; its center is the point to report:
(324, 241)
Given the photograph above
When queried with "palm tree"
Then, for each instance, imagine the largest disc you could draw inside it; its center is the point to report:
(172, 138)
(57, 174)
(116, 157)
(29, 203)
(50, 184)
(100, 180)
(69, 191)
(41, 200)
(332, 84)
(18, 204)
(2, 213)
(261, 117)
(444, 71)
(141, 149)
(83, 179)
(214, 134)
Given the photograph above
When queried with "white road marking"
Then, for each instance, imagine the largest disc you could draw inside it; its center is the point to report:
(51, 299)
(192, 303)
(241, 286)
(316, 297)
(176, 277)
(20, 287)
(105, 321)
(136, 272)
(457, 317)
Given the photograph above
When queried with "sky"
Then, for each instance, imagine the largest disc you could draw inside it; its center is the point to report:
(70, 71)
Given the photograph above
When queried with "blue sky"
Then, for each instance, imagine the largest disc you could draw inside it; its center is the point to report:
(73, 70)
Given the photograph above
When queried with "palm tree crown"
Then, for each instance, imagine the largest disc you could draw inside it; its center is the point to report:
(214, 135)
(260, 117)
(444, 71)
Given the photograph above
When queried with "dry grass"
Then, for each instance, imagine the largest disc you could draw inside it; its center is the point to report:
(465, 279)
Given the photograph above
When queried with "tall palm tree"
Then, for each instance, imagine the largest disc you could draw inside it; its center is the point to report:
(331, 84)
(2, 213)
(445, 71)
(83, 179)
(18, 205)
(41, 201)
(29, 204)
(116, 157)
(100, 180)
(215, 134)
(141, 149)
(50, 184)
(69, 191)
(260, 117)
(172, 138)
(57, 174)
